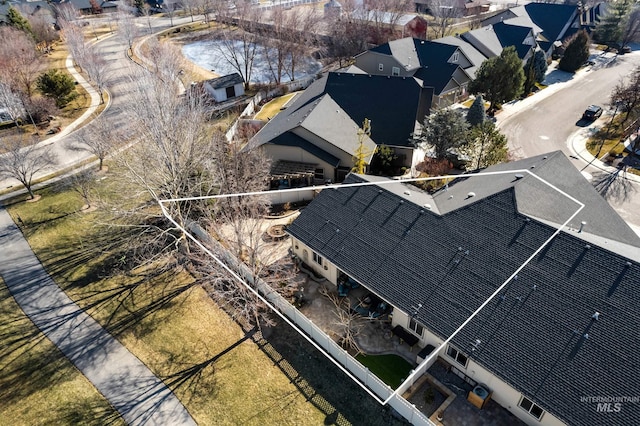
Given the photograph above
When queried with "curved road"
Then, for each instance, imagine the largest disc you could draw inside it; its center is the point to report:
(553, 122)
(134, 391)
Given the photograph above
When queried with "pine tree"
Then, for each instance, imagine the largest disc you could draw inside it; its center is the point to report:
(576, 53)
(16, 20)
(58, 86)
(500, 78)
(476, 113)
(610, 30)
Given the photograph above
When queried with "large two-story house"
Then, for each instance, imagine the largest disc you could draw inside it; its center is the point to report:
(318, 135)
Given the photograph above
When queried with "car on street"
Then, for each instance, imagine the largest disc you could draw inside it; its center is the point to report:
(592, 112)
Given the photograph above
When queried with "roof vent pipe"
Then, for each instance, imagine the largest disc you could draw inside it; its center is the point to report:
(582, 224)
(519, 176)
(596, 316)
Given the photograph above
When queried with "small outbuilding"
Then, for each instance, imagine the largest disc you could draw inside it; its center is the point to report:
(225, 87)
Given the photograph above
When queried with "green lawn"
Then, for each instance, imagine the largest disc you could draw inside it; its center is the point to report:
(220, 375)
(272, 108)
(391, 369)
(38, 385)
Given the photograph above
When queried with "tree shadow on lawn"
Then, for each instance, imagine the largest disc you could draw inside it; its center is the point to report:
(32, 365)
(321, 382)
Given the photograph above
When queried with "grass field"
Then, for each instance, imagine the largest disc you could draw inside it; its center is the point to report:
(215, 369)
(38, 385)
(272, 108)
(391, 369)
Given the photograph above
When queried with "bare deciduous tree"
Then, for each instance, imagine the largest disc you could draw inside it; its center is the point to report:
(97, 69)
(74, 38)
(98, 138)
(22, 159)
(127, 26)
(20, 62)
(238, 45)
(349, 323)
(42, 30)
(65, 13)
(444, 13)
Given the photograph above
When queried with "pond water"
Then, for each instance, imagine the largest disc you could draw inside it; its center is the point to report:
(214, 55)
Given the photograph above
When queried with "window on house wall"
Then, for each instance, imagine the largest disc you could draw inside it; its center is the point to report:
(416, 327)
(380, 67)
(456, 57)
(531, 408)
(317, 258)
(319, 174)
(458, 356)
(395, 71)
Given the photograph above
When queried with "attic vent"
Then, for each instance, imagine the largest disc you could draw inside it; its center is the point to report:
(379, 191)
(450, 197)
(421, 41)
(427, 206)
(471, 195)
(628, 264)
(401, 201)
(587, 247)
(595, 316)
(369, 75)
(544, 158)
(518, 176)
(533, 167)
(582, 225)
(407, 192)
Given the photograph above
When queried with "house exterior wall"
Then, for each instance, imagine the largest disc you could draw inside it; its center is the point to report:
(463, 61)
(239, 89)
(369, 62)
(327, 269)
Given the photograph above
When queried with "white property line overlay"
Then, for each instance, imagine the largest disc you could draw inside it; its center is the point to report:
(424, 363)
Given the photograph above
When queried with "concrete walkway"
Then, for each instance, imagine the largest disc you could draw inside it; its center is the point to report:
(135, 392)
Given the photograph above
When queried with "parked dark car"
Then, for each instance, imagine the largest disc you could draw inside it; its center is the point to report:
(592, 112)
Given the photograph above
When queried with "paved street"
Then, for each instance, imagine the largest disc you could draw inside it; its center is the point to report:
(134, 391)
(553, 122)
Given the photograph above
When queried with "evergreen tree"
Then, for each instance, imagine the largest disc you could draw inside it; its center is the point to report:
(58, 86)
(16, 20)
(500, 78)
(576, 52)
(443, 130)
(535, 70)
(476, 113)
(486, 146)
(612, 26)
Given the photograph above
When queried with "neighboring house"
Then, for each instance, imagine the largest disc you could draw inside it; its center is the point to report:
(439, 67)
(464, 7)
(27, 9)
(408, 24)
(550, 22)
(492, 39)
(225, 87)
(319, 128)
(332, 9)
(562, 331)
(86, 8)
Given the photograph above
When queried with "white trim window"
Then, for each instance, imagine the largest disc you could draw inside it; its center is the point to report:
(380, 67)
(455, 57)
(317, 258)
(416, 327)
(457, 356)
(530, 407)
(395, 71)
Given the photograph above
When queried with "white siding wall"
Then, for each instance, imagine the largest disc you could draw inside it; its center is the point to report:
(327, 270)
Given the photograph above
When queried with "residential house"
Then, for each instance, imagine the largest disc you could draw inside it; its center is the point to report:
(551, 22)
(463, 7)
(86, 8)
(439, 67)
(319, 128)
(561, 332)
(226, 87)
(492, 39)
(407, 24)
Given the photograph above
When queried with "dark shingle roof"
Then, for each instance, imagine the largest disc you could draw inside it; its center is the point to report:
(552, 18)
(409, 255)
(291, 139)
(513, 35)
(391, 103)
(226, 81)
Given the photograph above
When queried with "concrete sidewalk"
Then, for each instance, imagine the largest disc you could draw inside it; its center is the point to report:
(135, 392)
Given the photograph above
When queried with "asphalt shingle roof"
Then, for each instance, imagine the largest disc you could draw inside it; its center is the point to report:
(552, 18)
(513, 35)
(391, 103)
(533, 335)
(226, 81)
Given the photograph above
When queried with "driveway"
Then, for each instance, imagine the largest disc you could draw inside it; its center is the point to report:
(134, 391)
(552, 121)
